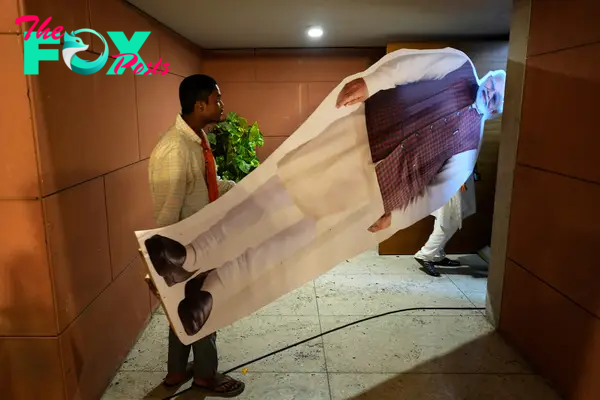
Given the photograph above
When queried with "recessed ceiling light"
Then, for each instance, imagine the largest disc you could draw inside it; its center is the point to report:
(315, 32)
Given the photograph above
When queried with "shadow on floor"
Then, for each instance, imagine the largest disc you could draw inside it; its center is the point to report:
(158, 393)
(452, 376)
(446, 378)
(471, 265)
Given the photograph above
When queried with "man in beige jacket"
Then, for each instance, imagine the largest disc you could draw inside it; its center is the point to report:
(178, 184)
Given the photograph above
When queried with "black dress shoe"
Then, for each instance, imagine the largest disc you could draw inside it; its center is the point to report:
(428, 268)
(194, 311)
(446, 262)
(196, 307)
(167, 256)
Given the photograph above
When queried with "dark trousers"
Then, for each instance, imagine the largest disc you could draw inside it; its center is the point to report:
(206, 360)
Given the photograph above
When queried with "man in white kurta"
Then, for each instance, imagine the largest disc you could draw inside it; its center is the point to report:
(448, 220)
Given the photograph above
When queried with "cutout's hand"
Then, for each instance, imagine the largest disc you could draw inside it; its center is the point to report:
(352, 93)
(382, 223)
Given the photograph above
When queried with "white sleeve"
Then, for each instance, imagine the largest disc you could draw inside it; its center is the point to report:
(407, 66)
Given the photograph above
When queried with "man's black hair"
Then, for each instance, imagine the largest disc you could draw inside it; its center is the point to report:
(195, 88)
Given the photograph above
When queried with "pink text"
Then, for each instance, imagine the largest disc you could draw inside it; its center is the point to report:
(138, 69)
(55, 34)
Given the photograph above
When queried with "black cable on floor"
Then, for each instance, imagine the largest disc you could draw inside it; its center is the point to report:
(334, 330)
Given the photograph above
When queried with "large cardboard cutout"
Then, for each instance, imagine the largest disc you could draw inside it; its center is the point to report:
(301, 212)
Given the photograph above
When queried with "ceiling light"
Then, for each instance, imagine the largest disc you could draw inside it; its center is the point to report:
(315, 32)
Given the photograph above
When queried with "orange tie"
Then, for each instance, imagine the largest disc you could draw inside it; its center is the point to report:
(211, 171)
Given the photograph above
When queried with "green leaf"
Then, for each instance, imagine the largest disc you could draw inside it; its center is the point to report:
(212, 138)
(254, 133)
(243, 166)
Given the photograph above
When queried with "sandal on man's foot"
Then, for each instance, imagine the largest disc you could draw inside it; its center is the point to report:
(189, 374)
(222, 386)
(165, 389)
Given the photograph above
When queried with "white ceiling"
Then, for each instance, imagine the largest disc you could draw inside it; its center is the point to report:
(221, 24)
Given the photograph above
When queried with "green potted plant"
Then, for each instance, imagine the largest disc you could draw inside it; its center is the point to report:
(234, 143)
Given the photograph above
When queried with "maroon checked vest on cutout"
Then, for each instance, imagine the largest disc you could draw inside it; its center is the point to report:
(414, 129)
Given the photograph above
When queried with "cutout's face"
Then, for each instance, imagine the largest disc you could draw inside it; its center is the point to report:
(213, 109)
(490, 96)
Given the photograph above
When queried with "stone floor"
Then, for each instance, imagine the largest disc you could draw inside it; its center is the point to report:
(417, 355)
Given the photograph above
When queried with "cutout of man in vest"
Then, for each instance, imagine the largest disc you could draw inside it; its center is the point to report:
(419, 120)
